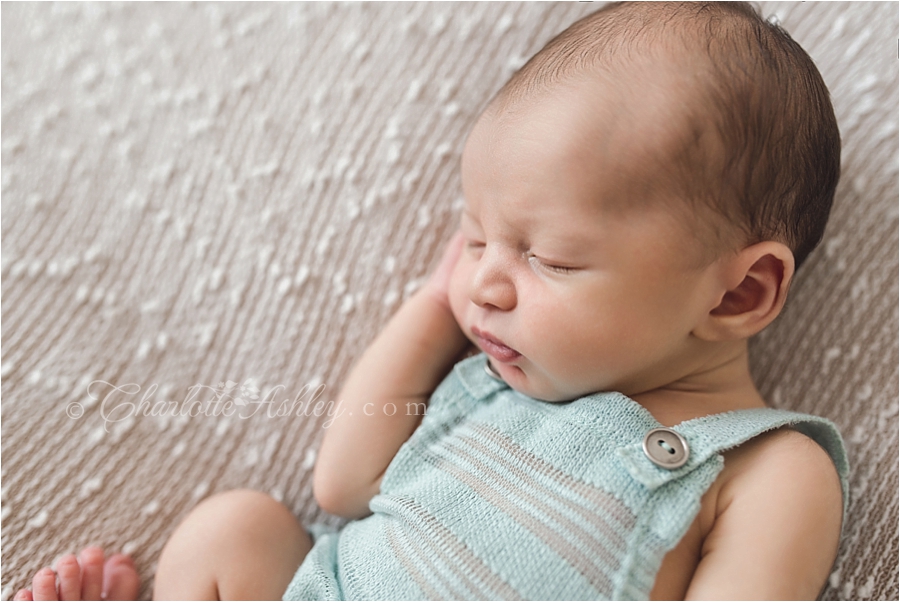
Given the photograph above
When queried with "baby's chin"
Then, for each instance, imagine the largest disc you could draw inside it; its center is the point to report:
(521, 381)
(553, 397)
(528, 379)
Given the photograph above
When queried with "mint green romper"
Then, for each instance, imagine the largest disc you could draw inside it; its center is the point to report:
(500, 496)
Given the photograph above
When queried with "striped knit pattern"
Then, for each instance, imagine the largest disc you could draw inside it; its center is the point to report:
(498, 496)
(198, 193)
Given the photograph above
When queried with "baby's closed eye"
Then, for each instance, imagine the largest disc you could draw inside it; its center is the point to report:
(549, 265)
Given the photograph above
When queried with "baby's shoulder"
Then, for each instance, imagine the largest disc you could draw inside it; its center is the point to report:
(783, 458)
(773, 522)
(768, 528)
(779, 475)
(775, 476)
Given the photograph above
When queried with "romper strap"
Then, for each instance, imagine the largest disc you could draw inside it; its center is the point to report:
(710, 435)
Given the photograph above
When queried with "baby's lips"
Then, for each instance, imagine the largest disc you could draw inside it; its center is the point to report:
(493, 347)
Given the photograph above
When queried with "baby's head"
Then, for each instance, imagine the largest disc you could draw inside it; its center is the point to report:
(640, 193)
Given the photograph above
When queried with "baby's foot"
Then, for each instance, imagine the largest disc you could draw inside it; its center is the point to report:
(87, 577)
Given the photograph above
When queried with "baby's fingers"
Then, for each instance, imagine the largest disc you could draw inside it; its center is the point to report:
(43, 585)
(69, 572)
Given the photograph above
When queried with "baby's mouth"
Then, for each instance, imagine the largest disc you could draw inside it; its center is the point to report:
(494, 347)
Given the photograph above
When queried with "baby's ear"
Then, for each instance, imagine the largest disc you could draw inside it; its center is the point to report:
(754, 287)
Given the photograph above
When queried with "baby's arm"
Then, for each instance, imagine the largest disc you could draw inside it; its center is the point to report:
(402, 366)
(777, 523)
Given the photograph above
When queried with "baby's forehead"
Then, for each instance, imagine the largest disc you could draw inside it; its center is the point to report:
(634, 121)
(639, 117)
(603, 132)
(660, 78)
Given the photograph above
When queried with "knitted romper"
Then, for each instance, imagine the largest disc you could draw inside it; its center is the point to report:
(500, 496)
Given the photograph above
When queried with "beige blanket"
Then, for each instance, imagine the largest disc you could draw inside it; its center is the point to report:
(204, 193)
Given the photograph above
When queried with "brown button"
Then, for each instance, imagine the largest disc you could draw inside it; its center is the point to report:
(666, 448)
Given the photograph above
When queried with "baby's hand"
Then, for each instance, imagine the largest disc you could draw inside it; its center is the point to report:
(438, 284)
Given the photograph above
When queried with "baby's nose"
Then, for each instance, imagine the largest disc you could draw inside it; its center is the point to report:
(492, 286)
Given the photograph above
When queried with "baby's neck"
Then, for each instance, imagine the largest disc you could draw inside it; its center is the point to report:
(723, 386)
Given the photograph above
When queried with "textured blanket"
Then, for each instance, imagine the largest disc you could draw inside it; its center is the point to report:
(232, 199)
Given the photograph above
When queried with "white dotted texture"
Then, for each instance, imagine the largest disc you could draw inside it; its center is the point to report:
(244, 193)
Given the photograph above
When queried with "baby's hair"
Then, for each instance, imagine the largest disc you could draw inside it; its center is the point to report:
(761, 143)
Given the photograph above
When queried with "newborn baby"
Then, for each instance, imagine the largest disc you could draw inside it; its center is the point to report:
(637, 200)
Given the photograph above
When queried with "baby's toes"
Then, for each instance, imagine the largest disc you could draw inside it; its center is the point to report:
(69, 573)
(91, 560)
(43, 585)
(23, 594)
